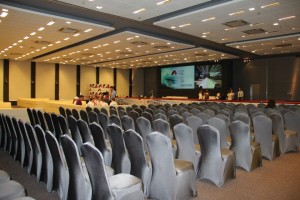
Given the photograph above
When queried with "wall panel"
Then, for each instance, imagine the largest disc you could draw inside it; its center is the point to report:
(1, 80)
(67, 81)
(137, 82)
(87, 76)
(19, 79)
(122, 82)
(106, 76)
(45, 80)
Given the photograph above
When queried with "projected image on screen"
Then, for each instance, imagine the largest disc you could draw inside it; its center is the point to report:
(208, 76)
(177, 77)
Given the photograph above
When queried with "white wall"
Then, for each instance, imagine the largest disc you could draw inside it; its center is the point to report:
(106, 76)
(137, 82)
(67, 81)
(19, 79)
(87, 77)
(122, 82)
(45, 80)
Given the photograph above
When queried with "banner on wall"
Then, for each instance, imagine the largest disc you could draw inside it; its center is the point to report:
(97, 89)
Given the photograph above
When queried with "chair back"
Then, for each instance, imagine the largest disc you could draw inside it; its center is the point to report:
(47, 162)
(60, 172)
(84, 131)
(127, 123)
(194, 123)
(75, 113)
(163, 181)
(84, 116)
(93, 116)
(96, 169)
(139, 166)
(28, 148)
(78, 186)
(49, 122)
(114, 119)
(99, 140)
(103, 121)
(221, 126)
(120, 161)
(163, 127)
(75, 133)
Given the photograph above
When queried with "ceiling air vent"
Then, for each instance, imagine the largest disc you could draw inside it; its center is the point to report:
(16, 54)
(161, 47)
(139, 43)
(42, 42)
(284, 45)
(236, 23)
(68, 30)
(201, 54)
(88, 54)
(254, 31)
(125, 53)
(85, 60)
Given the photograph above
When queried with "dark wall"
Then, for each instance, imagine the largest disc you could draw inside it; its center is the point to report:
(276, 78)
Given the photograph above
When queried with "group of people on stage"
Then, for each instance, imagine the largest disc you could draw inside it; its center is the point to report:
(230, 95)
(107, 99)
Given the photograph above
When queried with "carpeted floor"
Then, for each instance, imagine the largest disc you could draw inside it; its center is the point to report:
(276, 180)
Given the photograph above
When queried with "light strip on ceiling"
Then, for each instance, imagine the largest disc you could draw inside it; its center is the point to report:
(208, 19)
(270, 5)
(285, 18)
(183, 25)
(138, 11)
(236, 13)
(162, 2)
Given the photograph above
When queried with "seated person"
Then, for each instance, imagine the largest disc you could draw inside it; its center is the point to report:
(271, 103)
(102, 102)
(79, 100)
(113, 102)
(91, 103)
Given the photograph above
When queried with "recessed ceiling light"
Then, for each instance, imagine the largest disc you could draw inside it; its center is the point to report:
(20, 41)
(88, 30)
(162, 2)
(275, 24)
(285, 18)
(183, 25)
(40, 37)
(105, 44)
(77, 34)
(117, 41)
(14, 44)
(298, 38)
(206, 33)
(40, 29)
(251, 9)
(50, 45)
(26, 37)
(4, 10)
(68, 22)
(33, 33)
(138, 11)
(99, 7)
(57, 42)
(204, 36)
(208, 19)
(3, 14)
(270, 5)
(50, 23)
(67, 38)
(229, 29)
(236, 13)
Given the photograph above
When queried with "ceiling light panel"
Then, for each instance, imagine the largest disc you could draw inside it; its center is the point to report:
(176, 57)
(213, 19)
(277, 45)
(129, 44)
(33, 32)
(126, 8)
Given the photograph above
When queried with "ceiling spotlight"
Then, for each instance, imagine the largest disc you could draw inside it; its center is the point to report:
(275, 24)
(138, 11)
(50, 23)
(99, 7)
(251, 9)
